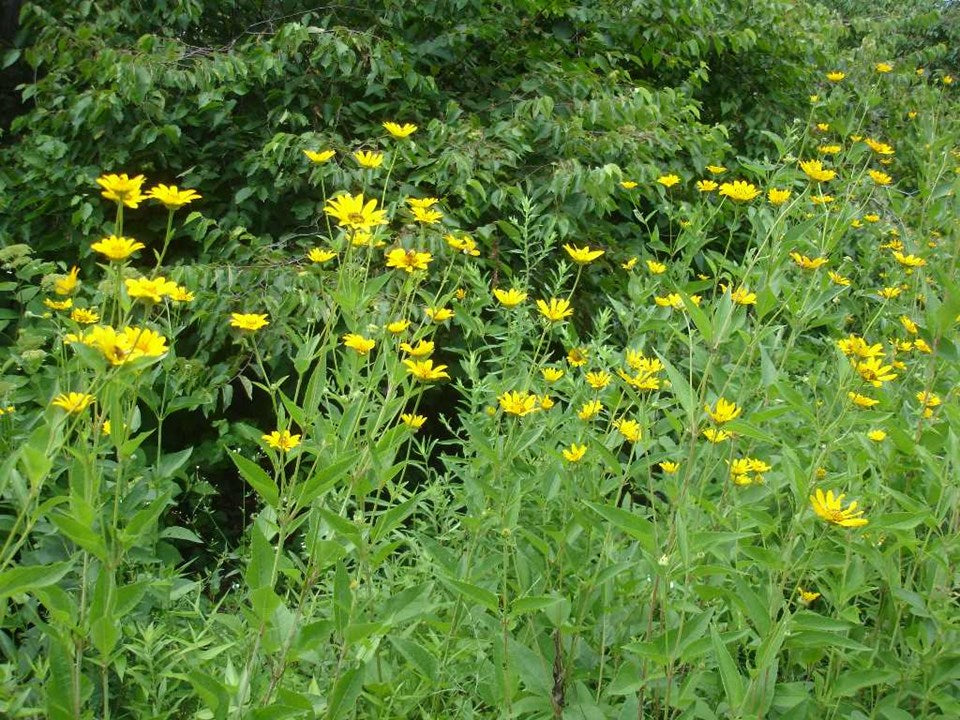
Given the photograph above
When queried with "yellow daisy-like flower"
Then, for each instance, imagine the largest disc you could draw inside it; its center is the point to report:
(657, 268)
(882, 67)
(583, 255)
(464, 244)
(117, 248)
(671, 300)
(398, 326)
(628, 184)
(124, 346)
(716, 435)
(880, 148)
(875, 372)
(281, 440)
(928, 399)
(829, 149)
(149, 289)
(574, 453)
(838, 279)
(438, 314)
(739, 191)
(807, 597)
(248, 321)
(831, 509)
(122, 189)
(398, 131)
(557, 310)
(408, 260)
(368, 159)
(814, 170)
(877, 435)
(425, 216)
(181, 294)
(862, 401)
(706, 186)
(590, 410)
(518, 403)
(172, 197)
(630, 429)
(668, 181)
(909, 325)
(808, 263)
(58, 304)
(823, 127)
(413, 421)
(630, 264)
(889, 293)
(741, 296)
(422, 203)
(424, 371)
(551, 375)
(836, 76)
(353, 213)
(821, 199)
(716, 169)
(83, 316)
(856, 346)
(910, 261)
(509, 298)
(67, 284)
(358, 343)
(777, 196)
(73, 402)
(319, 255)
(879, 178)
(577, 357)
(546, 402)
(319, 157)
(599, 380)
(723, 411)
(669, 468)
(424, 348)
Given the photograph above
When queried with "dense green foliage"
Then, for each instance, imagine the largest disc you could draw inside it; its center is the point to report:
(517, 555)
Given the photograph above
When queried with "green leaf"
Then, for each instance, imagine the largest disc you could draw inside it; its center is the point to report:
(258, 479)
(30, 577)
(729, 675)
(346, 690)
(480, 596)
(635, 526)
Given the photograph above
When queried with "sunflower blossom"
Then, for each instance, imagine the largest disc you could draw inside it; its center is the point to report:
(171, 197)
(424, 370)
(814, 170)
(117, 248)
(73, 402)
(518, 403)
(281, 440)
(408, 260)
(353, 213)
(122, 189)
(739, 191)
(583, 255)
(831, 509)
(557, 310)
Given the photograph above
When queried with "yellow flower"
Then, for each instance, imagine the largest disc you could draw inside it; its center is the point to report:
(723, 411)
(320, 157)
(630, 429)
(741, 469)
(777, 196)
(910, 261)
(551, 375)
(73, 402)
(150, 289)
(424, 370)
(880, 178)
(716, 169)
(590, 410)
(829, 507)
(928, 399)
(319, 255)
(856, 346)
(598, 380)
(836, 76)
(948, 79)
(368, 159)
(877, 435)
(574, 453)
(668, 180)
(882, 67)
(583, 255)
(546, 402)
(127, 345)
(423, 348)
(425, 216)
(829, 149)
(706, 186)
(422, 203)
(117, 248)
(398, 326)
(556, 311)
(171, 197)
(399, 131)
(672, 300)
(739, 191)
(577, 357)
(362, 238)
(408, 260)
(58, 304)
(413, 421)
(518, 403)
(921, 345)
(807, 597)
(657, 268)
(248, 321)
(438, 314)
(742, 297)
(353, 214)
(889, 293)
(628, 184)
(84, 316)
(281, 440)
(510, 298)
(814, 170)
(808, 263)
(715, 435)
(358, 343)
(814, 99)
(862, 400)
(875, 372)
(630, 264)
(464, 244)
(180, 294)
(122, 189)
(823, 127)
(909, 325)
(881, 148)
(821, 199)
(670, 468)
(838, 279)
(871, 218)
(460, 294)
(68, 283)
